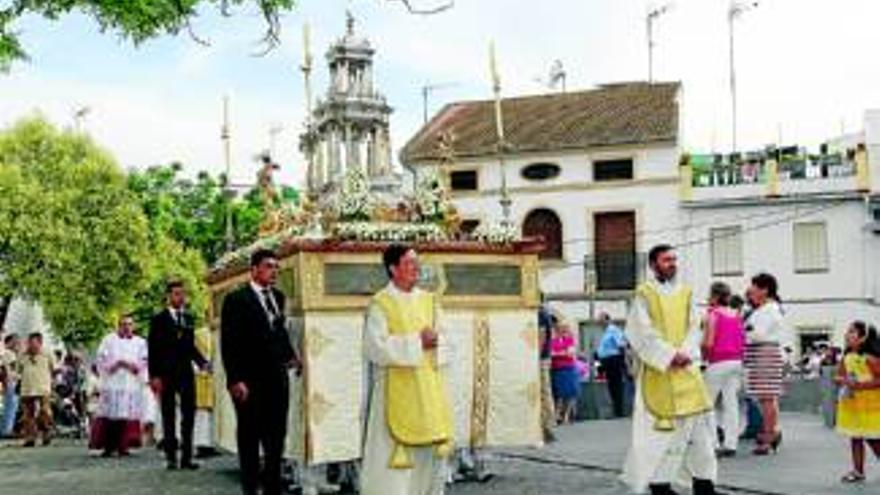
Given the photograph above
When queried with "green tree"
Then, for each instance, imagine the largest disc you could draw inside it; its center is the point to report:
(72, 235)
(133, 20)
(193, 212)
(171, 261)
(140, 20)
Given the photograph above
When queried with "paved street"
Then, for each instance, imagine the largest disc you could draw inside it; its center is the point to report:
(584, 460)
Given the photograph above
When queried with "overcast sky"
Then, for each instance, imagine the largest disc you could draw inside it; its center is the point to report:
(807, 69)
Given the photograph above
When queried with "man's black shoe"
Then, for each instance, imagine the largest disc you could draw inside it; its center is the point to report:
(206, 452)
(189, 466)
(171, 465)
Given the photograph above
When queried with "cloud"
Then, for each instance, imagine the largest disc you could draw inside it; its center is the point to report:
(803, 67)
(144, 125)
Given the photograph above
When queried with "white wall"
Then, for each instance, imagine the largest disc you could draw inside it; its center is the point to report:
(848, 290)
(872, 141)
(575, 198)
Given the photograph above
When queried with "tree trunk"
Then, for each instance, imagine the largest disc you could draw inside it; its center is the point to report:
(5, 300)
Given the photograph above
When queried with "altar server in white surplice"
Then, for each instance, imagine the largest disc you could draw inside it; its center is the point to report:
(672, 441)
(409, 433)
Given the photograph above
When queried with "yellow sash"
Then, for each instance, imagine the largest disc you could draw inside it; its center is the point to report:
(674, 393)
(204, 380)
(417, 408)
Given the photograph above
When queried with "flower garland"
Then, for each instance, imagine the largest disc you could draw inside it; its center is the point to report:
(272, 242)
(389, 232)
(496, 233)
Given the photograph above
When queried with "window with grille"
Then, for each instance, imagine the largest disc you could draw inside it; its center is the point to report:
(727, 250)
(606, 170)
(464, 180)
(810, 247)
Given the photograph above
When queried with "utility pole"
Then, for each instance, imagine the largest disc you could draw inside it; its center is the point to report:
(499, 130)
(227, 157)
(79, 116)
(653, 15)
(737, 8)
(274, 130)
(429, 88)
(314, 177)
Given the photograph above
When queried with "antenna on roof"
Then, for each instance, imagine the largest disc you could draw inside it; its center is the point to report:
(555, 78)
(654, 13)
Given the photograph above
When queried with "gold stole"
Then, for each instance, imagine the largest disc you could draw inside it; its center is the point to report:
(417, 408)
(674, 393)
(204, 380)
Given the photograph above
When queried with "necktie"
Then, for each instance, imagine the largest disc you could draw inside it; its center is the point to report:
(269, 301)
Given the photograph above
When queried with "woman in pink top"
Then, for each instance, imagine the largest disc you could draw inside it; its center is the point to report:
(563, 370)
(723, 347)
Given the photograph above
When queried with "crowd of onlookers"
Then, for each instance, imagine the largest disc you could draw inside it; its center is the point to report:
(746, 357)
(45, 392)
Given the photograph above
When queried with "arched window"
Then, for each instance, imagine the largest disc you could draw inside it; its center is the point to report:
(545, 223)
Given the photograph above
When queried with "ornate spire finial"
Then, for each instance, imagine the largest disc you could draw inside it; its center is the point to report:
(349, 22)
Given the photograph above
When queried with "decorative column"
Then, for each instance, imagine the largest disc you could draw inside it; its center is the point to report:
(372, 168)
(349, 162)
(686, 178)
(335, 161)
(772, 171)
(863, 174)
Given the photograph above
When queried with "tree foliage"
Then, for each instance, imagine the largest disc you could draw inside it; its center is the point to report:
(133, 20)
(72, 237)
(140, 20)
(193, 212)
(88, 242)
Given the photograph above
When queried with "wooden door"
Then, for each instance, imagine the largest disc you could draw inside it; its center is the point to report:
(615, 250)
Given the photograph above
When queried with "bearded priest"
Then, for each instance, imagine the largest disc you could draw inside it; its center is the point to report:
(672, 440)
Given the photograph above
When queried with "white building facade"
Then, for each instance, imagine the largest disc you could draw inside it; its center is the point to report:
(600, 190)
(598, 175)
(817, 232)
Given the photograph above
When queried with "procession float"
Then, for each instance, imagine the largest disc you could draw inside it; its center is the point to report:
(330, 248)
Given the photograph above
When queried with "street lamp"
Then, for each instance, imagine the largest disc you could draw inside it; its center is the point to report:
(653, 15)
(226, 138)
(505, 200)
(736, 9)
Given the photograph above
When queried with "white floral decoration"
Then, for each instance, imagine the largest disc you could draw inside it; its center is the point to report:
(355, 201)
(430, 196)
(496, 233)
(389, 232)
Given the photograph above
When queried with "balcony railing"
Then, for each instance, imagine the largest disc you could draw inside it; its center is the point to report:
(773, 173)
(614, 271)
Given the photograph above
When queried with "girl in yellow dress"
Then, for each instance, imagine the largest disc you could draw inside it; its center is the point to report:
(858, 408)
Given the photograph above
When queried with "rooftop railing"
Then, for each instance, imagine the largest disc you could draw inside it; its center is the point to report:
(771, 170)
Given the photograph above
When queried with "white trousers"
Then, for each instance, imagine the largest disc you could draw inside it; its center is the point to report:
(725, 379)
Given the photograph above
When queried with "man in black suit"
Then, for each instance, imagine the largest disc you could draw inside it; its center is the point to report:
(172, 352)
(257, 354)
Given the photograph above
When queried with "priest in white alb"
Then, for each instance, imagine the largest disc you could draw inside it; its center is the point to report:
(672, 440)
(409, 434)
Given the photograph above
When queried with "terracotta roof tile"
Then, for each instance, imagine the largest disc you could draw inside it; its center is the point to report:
(613, 114)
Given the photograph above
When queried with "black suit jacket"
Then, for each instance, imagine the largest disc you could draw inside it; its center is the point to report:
(253, 348)
(172, 348)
